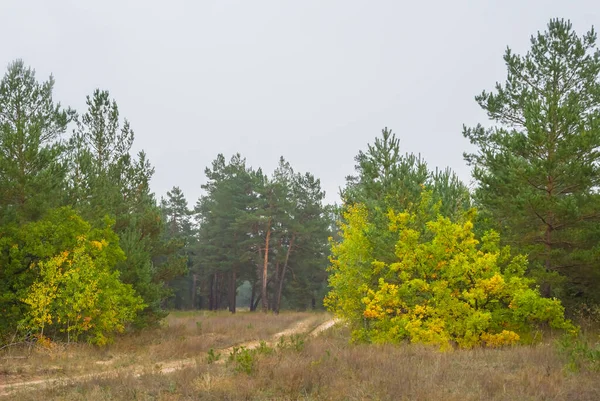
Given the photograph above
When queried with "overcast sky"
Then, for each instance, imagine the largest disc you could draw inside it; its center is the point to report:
(312, 80)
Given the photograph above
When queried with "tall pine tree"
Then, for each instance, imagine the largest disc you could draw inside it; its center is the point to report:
(31, 149)
(106, 181)
(538, 168)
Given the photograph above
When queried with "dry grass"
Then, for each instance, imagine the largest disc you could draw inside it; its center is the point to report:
(328, 368)
(183, 335)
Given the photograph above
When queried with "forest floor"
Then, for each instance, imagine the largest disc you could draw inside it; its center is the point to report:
(293, 356)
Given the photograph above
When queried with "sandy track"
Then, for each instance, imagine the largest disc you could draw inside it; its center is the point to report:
(303, 326)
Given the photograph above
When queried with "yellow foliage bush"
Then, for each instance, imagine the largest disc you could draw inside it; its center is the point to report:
(443, 286)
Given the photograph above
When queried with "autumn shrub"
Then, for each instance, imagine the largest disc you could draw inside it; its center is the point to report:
(77, 291)
(443, 287)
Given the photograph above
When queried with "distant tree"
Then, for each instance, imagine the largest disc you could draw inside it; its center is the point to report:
(538, 169)
(180, 234)
(257, 228)
(177, 213)
(31, 149)
(304, 229)
(226, 248)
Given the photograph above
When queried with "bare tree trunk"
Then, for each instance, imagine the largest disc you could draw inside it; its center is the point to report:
(232, 289)
(215, 292)
(252, 295)
(194, 290)
(258, 299)
(265, 301)
(282, 277)
(546, 288)
(275, 276)
(210, 292)
(219, 292)
(255, 286)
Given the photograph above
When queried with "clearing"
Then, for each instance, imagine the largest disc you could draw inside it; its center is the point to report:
(293, 356)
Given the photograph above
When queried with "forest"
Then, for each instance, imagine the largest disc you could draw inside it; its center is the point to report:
(87, 250)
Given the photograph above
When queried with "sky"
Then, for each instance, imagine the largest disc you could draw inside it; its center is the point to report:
(314, 81)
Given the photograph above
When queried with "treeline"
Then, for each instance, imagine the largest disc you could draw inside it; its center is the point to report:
(267, 232)
(86, 250)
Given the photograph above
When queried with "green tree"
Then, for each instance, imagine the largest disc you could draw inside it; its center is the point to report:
(177, 213)
(24, 249)
(538, 168)
(302, 245)
(443, 287)
(180, 234)
(31, 128)
(258, 229)
(78, 292)
(226, 248)
(387, 180)
(105, 180)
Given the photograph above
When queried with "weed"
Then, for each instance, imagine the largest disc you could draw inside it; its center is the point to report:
(244, 359)
(580, 353)
(212, 356)
(296, 342)
(264, 349)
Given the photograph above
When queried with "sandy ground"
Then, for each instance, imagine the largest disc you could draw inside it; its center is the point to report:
(303, 326)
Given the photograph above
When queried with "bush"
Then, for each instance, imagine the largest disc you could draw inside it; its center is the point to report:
(77, 291)
(443, 287)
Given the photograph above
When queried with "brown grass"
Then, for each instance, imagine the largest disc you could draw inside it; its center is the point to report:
(328, 368)
(183, 335)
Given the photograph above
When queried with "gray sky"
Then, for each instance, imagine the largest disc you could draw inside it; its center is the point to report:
(312, 80)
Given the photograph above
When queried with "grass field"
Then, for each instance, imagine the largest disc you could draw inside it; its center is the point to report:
(300, 367)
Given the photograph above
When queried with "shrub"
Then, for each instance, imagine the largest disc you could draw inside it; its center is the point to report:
(443, 287)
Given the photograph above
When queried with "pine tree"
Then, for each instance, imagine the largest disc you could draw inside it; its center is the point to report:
(258, 229)
(105, 180)
(387, 180)
(180, 234)
(177, 213)
(31, 128)
(302, 241)
(226, 250)
(538, 169)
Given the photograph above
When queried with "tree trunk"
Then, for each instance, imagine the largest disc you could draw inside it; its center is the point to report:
(214, 292)
(256, 285)
(219, 293)
(258, 299)
(232, 289)
(210, 292)
(252, 295)
(282, 277)
(265, 301)
(194, 290)
(275, 276)
(546, 287)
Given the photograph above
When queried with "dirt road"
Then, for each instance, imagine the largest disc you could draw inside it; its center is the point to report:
(302, 327)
